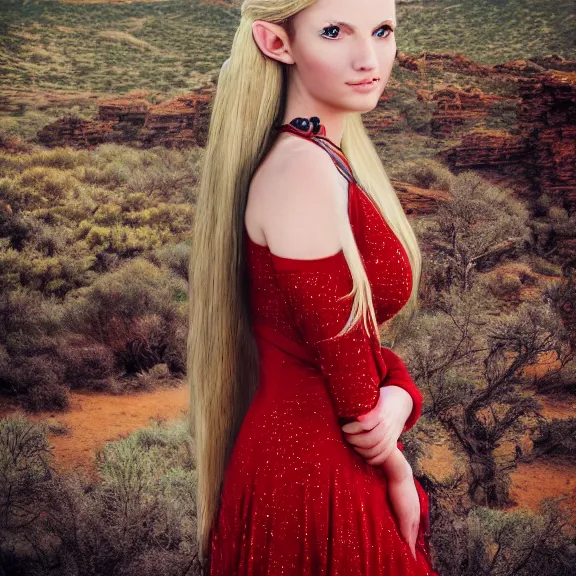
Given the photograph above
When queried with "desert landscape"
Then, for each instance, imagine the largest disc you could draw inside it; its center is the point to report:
(104, 113)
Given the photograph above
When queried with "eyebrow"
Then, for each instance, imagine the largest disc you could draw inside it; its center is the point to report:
(350, 27)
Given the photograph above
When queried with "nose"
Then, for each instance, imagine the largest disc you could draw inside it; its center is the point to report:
(364, 56)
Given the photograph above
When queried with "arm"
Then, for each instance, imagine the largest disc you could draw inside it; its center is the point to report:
(398, 375)
(396, 467)
(351, 364)
(404, 497)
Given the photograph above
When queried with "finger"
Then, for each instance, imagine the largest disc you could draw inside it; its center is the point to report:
(375, 450)
(354, 427)
(385, 453)
(370, 419)
(370, 438)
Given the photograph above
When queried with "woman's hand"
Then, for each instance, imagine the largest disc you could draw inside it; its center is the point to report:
(375, 433)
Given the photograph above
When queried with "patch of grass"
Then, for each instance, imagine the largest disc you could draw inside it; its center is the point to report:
(488, 31)
(165, 45)
(114, 47)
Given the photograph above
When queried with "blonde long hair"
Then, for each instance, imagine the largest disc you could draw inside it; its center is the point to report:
(222, 357)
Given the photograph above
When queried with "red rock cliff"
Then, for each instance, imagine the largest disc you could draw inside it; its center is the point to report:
(182, 121)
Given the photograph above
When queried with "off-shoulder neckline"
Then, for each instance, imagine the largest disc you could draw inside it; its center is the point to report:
(265, 248)
(285, 263)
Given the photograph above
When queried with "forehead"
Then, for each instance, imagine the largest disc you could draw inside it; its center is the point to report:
(357, 13)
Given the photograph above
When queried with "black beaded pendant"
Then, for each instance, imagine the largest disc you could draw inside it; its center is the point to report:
(307, 126)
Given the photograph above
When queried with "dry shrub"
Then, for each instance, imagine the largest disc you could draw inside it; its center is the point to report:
(505, 285)
(135, 314)
(545, 267)
(477, 227)
(142, 510)
(555, 438)
(46, 397)
(87, 363)
(156, 376)
(562, 380)
(174, 257)
(40, 382)
(525, 543)
(425, 173)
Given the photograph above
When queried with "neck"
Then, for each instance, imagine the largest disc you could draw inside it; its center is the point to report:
(300, 105)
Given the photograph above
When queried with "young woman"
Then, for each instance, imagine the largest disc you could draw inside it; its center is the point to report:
(300, 250)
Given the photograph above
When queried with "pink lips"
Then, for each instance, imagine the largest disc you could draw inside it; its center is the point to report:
(365, 82)
(365, 86)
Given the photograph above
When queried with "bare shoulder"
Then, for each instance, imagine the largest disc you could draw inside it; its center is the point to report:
(297, 201)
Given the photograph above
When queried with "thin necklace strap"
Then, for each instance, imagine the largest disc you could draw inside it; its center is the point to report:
(339, 159)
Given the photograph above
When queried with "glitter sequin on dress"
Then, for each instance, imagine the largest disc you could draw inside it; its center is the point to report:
(297, 499)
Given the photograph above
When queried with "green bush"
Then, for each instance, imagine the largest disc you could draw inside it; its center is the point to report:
(425, 173)
(133, 312)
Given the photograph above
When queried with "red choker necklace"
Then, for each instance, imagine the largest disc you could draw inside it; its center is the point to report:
(308, 127)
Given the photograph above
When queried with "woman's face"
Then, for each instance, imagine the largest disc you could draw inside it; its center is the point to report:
(341, 42)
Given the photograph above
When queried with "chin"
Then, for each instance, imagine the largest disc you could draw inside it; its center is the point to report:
(367, 106)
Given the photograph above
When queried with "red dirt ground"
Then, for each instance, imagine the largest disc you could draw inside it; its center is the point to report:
(95, 418)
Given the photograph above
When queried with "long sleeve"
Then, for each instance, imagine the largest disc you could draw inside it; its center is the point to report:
(352, 364)
(398, 375)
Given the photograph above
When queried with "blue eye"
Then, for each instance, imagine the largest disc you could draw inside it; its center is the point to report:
(386, 28)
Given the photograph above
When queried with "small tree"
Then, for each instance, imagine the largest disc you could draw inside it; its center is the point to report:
(470, 368)
(479, 224)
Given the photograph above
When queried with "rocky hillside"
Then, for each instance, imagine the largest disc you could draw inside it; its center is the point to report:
(535, 154)
(182, 121)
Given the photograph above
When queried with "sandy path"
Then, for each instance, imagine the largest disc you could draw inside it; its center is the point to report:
(95, 418)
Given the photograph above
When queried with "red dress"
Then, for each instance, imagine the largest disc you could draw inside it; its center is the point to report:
(297, 499)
